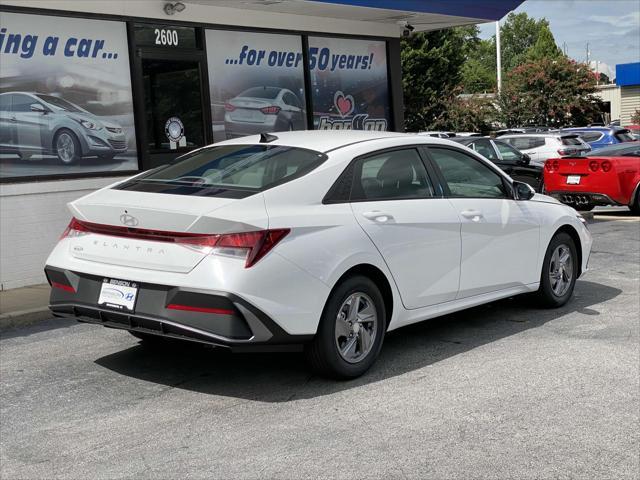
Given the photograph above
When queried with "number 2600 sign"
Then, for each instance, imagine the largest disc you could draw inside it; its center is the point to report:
(166, 37)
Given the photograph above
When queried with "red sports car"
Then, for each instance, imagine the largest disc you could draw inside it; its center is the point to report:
(607, 176)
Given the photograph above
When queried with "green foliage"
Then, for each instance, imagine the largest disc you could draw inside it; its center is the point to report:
(552, 92)
(479, 71)
(518, 34)
(545, 46)
(466, 114)
(431, 70)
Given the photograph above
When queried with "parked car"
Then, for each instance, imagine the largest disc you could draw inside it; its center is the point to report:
(468, 134)
(608, 176)
(598, 137)
(510, 131)
(437, 134)
(263, 109)
(542, 146)
(510, 160)
(37, 123)
(321, 239)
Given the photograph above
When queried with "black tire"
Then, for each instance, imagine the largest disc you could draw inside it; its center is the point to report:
(71, 152)
(323, 354)
(635, 206)
(547, 296)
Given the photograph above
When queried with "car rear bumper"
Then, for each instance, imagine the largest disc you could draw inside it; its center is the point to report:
(578, 199)
(213, 317)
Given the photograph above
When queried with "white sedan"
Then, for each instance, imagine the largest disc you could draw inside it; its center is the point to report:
(316, 240)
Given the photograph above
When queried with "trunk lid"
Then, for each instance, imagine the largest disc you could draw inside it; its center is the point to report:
(161, 213)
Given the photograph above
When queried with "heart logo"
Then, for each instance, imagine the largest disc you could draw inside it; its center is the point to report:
(344, 103)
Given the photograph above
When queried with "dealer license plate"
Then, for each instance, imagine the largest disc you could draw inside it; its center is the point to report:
(118, 294)
(573, 180)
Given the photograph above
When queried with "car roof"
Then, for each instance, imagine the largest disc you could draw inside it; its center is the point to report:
(327, 140)
(554, 134)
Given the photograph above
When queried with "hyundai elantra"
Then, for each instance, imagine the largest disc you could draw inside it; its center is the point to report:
(322, 241)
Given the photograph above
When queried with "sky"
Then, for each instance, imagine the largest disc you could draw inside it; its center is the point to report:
(612, 28)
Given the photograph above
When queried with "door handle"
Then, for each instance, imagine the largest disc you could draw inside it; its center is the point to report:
(378, 216)
(474, 215)
(14, 119)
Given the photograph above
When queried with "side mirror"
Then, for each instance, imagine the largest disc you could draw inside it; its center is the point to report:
(36, 107)
(526, 159)
(523, 191)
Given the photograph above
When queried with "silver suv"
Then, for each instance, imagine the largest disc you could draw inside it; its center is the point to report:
(542, 146)
(41, 124)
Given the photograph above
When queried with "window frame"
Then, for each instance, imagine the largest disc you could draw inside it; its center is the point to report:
(348, 174)
(444, 186)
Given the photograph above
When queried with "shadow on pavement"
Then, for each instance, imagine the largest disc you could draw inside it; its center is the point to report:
(285, 377)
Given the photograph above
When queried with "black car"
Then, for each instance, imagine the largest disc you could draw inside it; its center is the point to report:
(512, 161)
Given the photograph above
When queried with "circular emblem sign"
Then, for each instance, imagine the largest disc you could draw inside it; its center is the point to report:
(174, 129)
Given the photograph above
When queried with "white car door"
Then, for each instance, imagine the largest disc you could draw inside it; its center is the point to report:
(500, 236)
(416, 230)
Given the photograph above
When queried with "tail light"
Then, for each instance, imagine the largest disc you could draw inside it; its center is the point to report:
(566, 151)
(250, 245)
(552, 165)
(606, 166)
(272, 110)
(594, 165)
(229, 108)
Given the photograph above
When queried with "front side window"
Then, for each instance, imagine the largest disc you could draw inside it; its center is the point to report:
(22, 103)
(232, 171)
(5, 103)
(396, 174)
(466, 176)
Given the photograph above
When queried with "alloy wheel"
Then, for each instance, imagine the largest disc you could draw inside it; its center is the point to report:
(561, 270)
(356, 327)
(65, 148)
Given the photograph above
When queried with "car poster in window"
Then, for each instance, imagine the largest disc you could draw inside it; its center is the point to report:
(65, 96)
(349, 84)
(256, 82)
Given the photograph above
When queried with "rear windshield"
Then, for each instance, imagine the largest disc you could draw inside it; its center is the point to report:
(624, 136)
(261, 92)
(232, 171)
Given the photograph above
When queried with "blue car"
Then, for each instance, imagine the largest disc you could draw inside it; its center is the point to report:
(599, 137)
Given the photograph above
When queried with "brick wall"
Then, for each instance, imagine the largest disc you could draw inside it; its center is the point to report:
(32, 217)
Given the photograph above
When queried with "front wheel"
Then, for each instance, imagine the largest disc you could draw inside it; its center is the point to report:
(559, 271)
(635, 206)
(67, 147)
(351, 330)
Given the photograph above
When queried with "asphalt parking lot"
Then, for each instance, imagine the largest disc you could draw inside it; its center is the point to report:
(500, 391)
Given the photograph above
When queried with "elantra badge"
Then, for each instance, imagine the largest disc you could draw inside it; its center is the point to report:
(128, 220)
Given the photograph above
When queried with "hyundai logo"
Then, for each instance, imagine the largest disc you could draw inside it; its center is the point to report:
(128, 220)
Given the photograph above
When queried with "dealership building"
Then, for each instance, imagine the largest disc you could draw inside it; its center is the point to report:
(94, 91)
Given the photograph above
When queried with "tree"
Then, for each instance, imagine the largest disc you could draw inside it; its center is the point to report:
(466, 113)
(551, 92)
(431, 70)
(518, 34)
(545, 46)
(479, 70)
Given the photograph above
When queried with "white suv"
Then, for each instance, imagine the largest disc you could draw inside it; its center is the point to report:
(543, 146)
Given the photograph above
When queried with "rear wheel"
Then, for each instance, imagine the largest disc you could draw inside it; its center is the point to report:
(635, 206)
(559, 271)
(351, 330)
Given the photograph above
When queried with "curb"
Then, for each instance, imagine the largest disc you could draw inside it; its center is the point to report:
(23, 318)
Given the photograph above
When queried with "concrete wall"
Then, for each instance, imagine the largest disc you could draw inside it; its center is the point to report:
(32, 217)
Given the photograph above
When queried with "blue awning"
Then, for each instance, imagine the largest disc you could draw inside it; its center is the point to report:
(628, 74)
(480, 9)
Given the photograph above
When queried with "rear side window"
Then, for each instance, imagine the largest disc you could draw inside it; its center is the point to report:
(525, 143)
(229, 170)
(484, 148)
(5, 103)
(396, 174)
(591, 136)
(466, 176)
